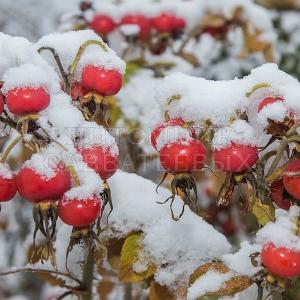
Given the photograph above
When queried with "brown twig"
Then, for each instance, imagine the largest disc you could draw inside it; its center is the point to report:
(33, 270)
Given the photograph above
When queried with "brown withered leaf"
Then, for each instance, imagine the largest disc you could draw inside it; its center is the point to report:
(190, 58)
(130, 256)
(159, 292)
(232, 286)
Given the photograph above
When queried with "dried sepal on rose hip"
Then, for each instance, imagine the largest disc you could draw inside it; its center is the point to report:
(80, 212)
(281, 261)
(42, 185)
(181, 155)
(8, 187)
(100, 80)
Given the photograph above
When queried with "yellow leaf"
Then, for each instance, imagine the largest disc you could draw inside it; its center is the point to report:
(129, 256)
(264, 212)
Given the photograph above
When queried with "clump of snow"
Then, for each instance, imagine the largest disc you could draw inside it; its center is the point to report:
(5, 172)
(211, 281)
(129, 29)
(30, 75)
(177, 248)
(43, 165)
(202, 100)
(60, 115)
(91, 134)
(173, 134)
(239, 132)
(275, 111)
(282, 232)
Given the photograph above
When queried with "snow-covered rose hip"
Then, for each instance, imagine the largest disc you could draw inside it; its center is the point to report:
(27, 100)
(79, 212)
(100, 80)
(141, 21)
(8, 188)
(235, 157)
(172, 122)
(267, 101)
(102, 24)
(165, 22)
(183, 156)
(278, 195)
(281, 261)
(102, 160)
(36, 187)
(291, 178)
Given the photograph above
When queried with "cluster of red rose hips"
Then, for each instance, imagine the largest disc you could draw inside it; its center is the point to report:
(50, 194)
(182, 157)
(164, 23)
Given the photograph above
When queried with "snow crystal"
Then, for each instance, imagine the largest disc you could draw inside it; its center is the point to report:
(129, 29)
(282, 232)
(172, 134)
(211, 281)
(239, 132)
(5, 171)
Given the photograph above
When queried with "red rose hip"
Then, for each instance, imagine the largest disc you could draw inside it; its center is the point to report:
(27, 100)
(281, 261)
(1, 103)
(165, 23)
(102, 81)
(235, 158)
(35, 187)
(79, 212)
(291, 178)
(183, 156)
(102, 24)
(8, 188)
(103, 161)
(141, 21)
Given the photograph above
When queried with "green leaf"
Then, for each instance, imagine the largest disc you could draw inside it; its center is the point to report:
(129, 256)
(264, 213)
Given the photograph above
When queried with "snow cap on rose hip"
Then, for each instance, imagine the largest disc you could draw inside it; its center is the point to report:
(43, 178)
(8, 187)
(176, 122)
(234, 147)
